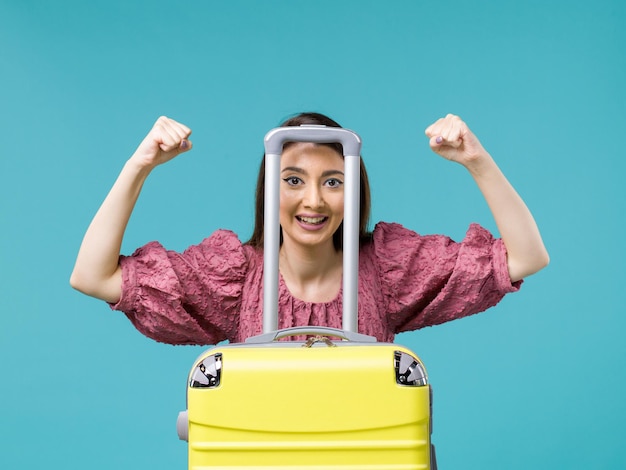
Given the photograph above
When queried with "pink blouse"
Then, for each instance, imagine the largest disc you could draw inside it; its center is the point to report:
(214, 291)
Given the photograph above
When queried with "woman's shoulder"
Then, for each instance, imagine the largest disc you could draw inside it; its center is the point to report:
(387, 242)
(390, 234)
(224, 241)
(391, 228)
(220, 253)
(390, 241)
(221, 238)
(392, 231)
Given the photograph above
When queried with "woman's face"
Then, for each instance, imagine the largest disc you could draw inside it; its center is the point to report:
(311, 195)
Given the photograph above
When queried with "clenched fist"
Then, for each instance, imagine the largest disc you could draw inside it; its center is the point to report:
(452, 139)
(166, 140)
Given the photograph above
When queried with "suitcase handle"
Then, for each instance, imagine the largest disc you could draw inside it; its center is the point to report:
(351, 144)
(311, 330)
(319, 134)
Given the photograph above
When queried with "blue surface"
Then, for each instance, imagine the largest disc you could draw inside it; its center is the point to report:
(537, 382)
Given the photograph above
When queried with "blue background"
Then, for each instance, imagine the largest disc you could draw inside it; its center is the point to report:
(536, 382)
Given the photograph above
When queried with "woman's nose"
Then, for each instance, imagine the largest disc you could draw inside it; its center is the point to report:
(313, 197)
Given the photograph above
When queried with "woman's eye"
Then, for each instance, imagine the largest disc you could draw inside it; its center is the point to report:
(334, 183)
(292, 180)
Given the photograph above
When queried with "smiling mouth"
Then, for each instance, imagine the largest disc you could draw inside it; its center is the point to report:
(312, 220)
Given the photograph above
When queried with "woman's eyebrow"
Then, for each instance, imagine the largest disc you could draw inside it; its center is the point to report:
(293, 169)
(296, 169)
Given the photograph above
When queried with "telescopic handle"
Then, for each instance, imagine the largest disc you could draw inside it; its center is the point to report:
(274, 142)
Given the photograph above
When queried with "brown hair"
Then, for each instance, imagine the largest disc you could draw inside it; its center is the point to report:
(256, 240)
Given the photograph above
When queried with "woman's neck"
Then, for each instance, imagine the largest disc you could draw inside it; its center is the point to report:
(311, 275)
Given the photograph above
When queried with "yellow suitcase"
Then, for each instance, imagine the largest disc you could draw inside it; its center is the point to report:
(337, 399)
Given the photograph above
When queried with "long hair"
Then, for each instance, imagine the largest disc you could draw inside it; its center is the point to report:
(256, 240)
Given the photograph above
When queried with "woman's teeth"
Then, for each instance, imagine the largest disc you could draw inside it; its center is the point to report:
(312, 220)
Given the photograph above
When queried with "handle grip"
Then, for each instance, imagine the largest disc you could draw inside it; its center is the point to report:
(276, 138)
(311, 330)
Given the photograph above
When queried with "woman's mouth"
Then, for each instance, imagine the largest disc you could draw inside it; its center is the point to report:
(311, 220)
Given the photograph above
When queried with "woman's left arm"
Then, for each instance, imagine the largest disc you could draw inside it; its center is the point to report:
(526, 254)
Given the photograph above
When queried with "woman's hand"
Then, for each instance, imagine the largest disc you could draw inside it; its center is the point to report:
(452, 139)
(166, 140)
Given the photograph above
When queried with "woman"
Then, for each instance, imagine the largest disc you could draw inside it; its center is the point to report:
(213, 291)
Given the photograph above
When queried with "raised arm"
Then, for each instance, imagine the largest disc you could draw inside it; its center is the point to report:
(452, 139)
(96, 271)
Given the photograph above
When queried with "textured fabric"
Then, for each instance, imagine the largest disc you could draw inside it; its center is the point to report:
(214, 291)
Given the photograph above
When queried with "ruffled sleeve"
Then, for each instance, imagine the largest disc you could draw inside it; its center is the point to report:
(428, 280)
(185, 298)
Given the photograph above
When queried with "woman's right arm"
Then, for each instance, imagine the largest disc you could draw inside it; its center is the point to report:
(97, 272)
